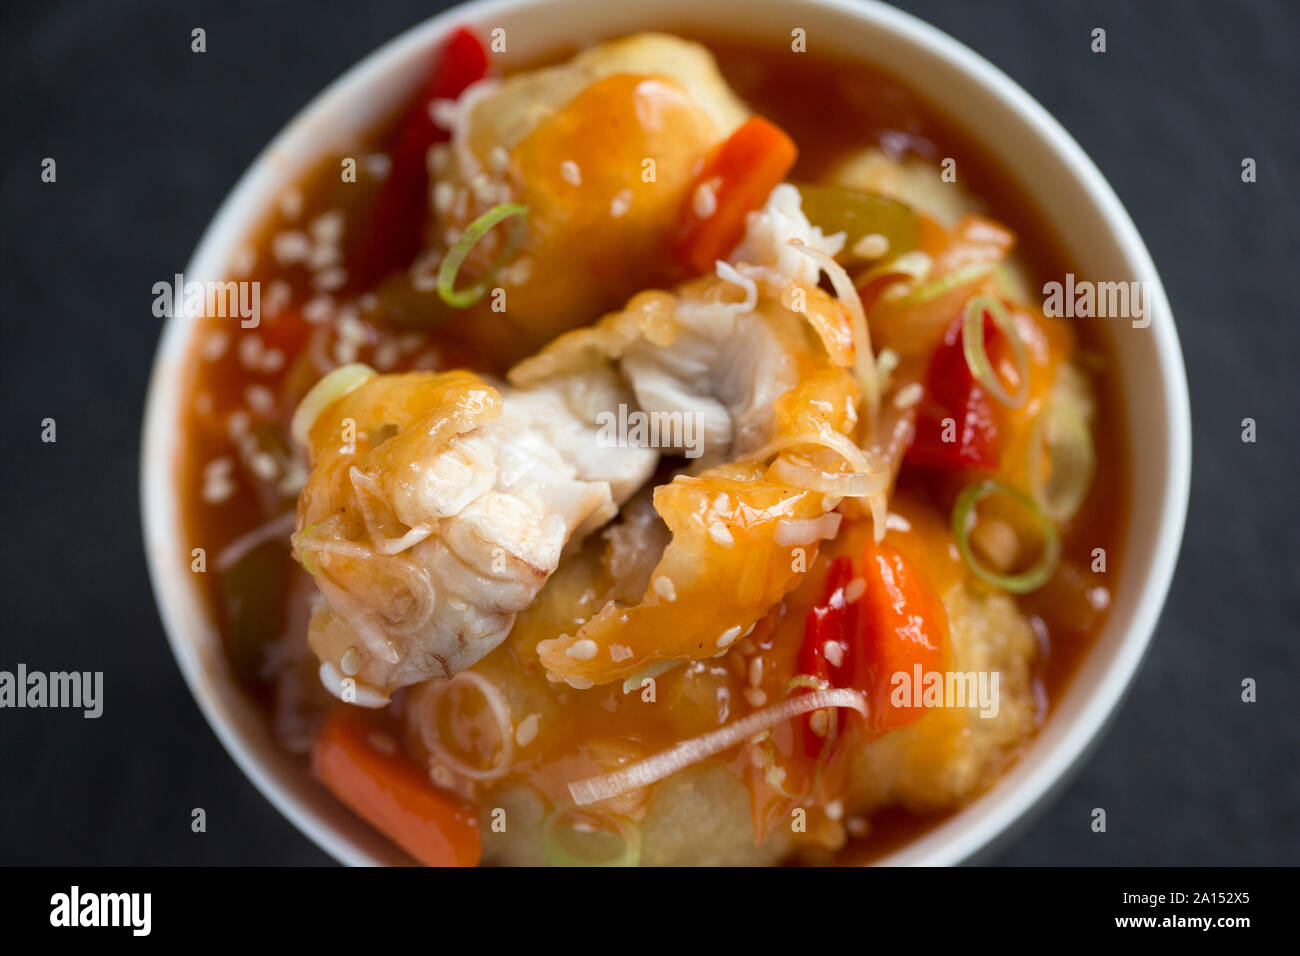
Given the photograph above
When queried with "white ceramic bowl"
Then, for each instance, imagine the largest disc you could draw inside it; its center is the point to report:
(1099, 238)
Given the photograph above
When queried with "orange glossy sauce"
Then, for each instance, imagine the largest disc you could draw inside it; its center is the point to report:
(263, 611)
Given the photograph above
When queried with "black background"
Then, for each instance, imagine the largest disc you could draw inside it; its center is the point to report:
(149, 137)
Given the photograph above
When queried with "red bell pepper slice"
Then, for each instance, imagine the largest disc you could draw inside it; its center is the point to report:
(970, 439)
(395, 228)
(862, 634)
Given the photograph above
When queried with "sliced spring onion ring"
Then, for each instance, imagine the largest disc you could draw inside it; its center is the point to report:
(558, 852)
(475, 231)
(500, 709)
(334, 386)
(1061, 435)
(668, 762)
(977, 358)
(963, 520)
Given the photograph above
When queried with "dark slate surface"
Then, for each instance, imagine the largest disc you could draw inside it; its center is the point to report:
(150, 137)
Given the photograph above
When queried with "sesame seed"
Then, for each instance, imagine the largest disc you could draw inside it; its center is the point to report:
(705, 200)
(620, 204)
(526, 732)
(319, 309)
(498, 160)
(729, 636)
(854, 590)
(719, 533)
(250, 351)
(583, 650)
(330, 279)
(290, 247)
(908, 395)
(755, 671)
(378, 165)
(755, 697)
(570, 173)
(819, 722)
(619, 653)
(383, 743)
(871, 246)
(291, 204)
(857, 826)
(663, 586)
(260, 399)
(835, 810)
(579, 683)
(834, 652)
(215, 345)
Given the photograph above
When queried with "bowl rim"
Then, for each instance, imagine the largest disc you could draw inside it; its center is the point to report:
(1002, 805)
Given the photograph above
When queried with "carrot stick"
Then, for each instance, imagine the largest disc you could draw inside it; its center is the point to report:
(740, 173)
(392, 794)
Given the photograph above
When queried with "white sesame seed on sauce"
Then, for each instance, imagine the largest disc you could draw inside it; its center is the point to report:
(908, 395)
(217, 483)
(896, 522)
(583, 650)
(215, 344)
(264, 466)
(719, 533)
(580, 683)
(553, 677)
(382, 742)
(664, 587)
(386, 355)
(728, 637)
(350, 662)
(755, 697)
(834, 653)
(834, 810)
(620, 204)
(871, 246)
(857, 826)
(498, 160)
(526, 731)
(704, 202)
(378, 165)
(330, 280)
(854, 590)
(618, 652)
(327, 228)
(260, 399)
(251, 350)
(278, 295)
(755, 671)
(819, 722)
(570, 173)
(323, 257)
(291, 204)
(319, 309)
(444, 194)
(290, 246)
(722, 503)
(272, 360)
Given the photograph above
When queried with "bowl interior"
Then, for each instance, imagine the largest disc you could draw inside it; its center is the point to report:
(1099, 240)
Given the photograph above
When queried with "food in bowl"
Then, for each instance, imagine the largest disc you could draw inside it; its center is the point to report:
(632, 465)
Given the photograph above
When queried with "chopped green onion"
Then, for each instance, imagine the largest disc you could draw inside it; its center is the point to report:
(972, 341)
(963, 520)
(455, 256)
(588, 842)
(1061, 434)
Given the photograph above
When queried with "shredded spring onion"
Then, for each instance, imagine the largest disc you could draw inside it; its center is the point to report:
(559, 835)
(334, 386)
(932, 290)
(668, 762)
(456, 255)
(977, 357)
(964, 518)
(1061, 436)
(847, 293)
